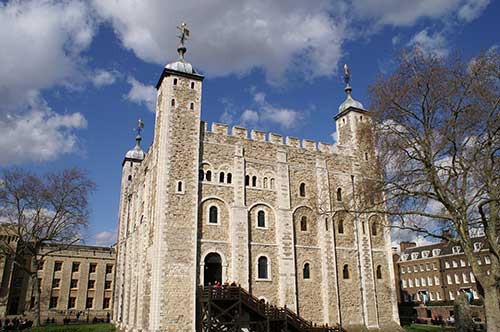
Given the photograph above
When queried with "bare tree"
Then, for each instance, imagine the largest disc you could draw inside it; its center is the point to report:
(39, 212)
(438, 139)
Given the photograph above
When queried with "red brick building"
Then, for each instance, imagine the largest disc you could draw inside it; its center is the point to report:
(429, 278)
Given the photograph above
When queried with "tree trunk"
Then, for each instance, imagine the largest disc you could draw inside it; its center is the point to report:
(36, 294)
(492, 308)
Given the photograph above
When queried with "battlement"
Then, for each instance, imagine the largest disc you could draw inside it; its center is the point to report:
(262, 136)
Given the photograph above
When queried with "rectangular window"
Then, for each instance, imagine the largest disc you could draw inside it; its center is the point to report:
(438, 296)
(424, 282)
(106, 303)
(71, 302)
(417, 282)
(465, 279)
(436, 280)
(462, 263)
(75, 267)
(487, 260)
(92, 267)
(429, 281)
(448, 278)
(53, 302)
(90, 303)
(472, 278)
(56, 283)
(109, 268)
(57, 266)
(74, 283)
(452, 296)
(91, 284)
(107, 284)
(457, 279)
(434, 266)
(404, 283)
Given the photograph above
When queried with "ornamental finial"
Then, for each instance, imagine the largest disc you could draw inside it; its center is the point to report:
(181, 49)
(347, 79)
(140, 126)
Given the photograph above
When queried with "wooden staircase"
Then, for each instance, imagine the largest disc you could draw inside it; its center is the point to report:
(233, 309)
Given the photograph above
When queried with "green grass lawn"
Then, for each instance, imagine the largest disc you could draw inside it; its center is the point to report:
(99, 327)
(421, 328)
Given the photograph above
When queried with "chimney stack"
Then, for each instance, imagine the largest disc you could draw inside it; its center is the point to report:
(405, 245)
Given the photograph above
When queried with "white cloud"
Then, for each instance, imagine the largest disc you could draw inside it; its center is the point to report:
(249, 117)
(407, 13)
(105, 238)
(435, 43)
(38, 135)
(269, 114)
(335, 136)
(142, 94)
(234, 36)
(103, 77)
(472, 9)
(41, 46)
(42, 42)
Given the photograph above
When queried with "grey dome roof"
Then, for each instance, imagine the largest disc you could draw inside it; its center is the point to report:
(181, 66)
(136, 153)
(350, 102)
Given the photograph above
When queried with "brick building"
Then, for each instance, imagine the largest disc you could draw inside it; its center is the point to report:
(429, 278)
(74, 280)
(205, 205)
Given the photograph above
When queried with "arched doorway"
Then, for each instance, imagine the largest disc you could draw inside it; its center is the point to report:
(213, 269)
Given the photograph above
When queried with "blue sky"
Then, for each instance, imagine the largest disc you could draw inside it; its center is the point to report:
(75, 76)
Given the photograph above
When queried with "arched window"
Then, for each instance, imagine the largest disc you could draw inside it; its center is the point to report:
(374, 229)
(272, 183)
(341, 226)
(179, 186)
(261, 219)
(213, 215)
(262, 272)
(379, 272)
(229, 178)
(302, 190)
(172, 102)
(208, 176)
(201, 175)
(221, 177)
(130, 178)
(264, 183)
(306, 273)
(191, 106)
(247, 180)
(254, 181)
(175, 81)
(303, 224)
(192, 85)
(339, 194)
(345, 272)
(326, 224)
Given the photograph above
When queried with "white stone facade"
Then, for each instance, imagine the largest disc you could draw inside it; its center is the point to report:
(174, 216)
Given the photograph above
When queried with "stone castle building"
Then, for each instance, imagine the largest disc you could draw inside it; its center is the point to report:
(75, 281)
(205, 205)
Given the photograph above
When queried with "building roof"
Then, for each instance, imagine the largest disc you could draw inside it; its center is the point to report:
(444, 247)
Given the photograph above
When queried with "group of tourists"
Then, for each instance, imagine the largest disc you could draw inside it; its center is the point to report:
(15, 324)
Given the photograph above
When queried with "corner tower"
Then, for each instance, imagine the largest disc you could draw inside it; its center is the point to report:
(177, 146)
(350, 117)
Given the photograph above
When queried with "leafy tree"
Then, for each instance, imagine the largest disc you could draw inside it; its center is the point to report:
(437, 130)
(40, 211)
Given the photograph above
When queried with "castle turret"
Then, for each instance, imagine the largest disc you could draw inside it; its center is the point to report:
(176, 145)
(351, 114)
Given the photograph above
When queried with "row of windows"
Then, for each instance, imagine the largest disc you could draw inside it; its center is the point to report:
(454, 263)
(456, 278)
(416, 268)
(56, 283)
(191, 85)
(75, 267)
(191, 105)
(417, 282)
(267, 183)
(223, 177)
(213, 218)
(433, 296)
(89, 304)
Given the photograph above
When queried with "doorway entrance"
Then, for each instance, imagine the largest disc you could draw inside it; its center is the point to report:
(213, 269)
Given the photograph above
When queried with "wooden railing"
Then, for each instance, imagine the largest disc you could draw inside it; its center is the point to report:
(265, 310)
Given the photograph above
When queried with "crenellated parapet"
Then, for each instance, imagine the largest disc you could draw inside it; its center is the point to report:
(269, 137)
